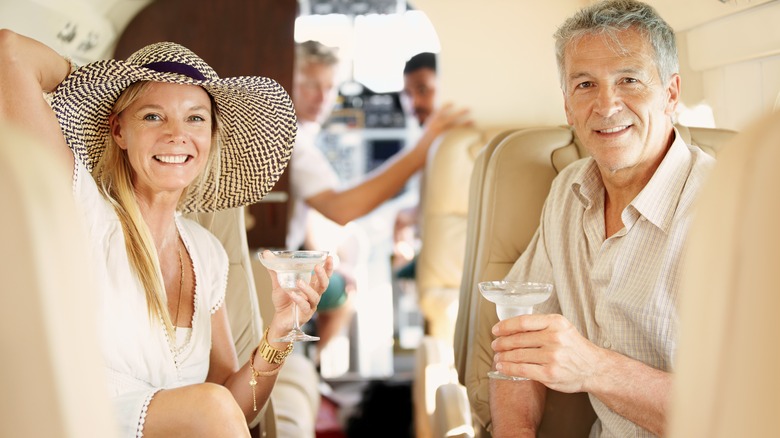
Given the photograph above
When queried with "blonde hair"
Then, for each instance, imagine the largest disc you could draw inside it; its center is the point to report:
(314, 52)
(114, 175)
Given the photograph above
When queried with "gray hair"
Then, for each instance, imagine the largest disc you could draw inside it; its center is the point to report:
(612, 16)
(314, 52)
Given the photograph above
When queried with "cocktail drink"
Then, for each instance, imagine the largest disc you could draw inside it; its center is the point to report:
(513, 298)
(291, 266)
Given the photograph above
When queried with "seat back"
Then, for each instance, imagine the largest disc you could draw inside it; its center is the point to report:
(509, 187)
(241, 302)
(52, 371)
(444, 212)
(295, 399)
(726, 382)
(292, 409)
(439, 268)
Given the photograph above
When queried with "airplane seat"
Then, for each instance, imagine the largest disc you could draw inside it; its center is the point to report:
(453, 415)
(296, 397)
(510, 184)
(726, 381)
(298, 378)
(444, 208)
(52, 369)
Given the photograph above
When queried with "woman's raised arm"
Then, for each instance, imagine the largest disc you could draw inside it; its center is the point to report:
(27, 69)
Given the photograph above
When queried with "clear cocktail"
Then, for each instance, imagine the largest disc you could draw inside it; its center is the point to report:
(291, 266)
(513, 298)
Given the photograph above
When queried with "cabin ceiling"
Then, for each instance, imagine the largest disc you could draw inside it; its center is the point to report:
(686, 14)
(682, 15)
(351, 7)
(89, 29)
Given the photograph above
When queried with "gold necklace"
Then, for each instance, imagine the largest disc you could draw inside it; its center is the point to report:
(181, 287)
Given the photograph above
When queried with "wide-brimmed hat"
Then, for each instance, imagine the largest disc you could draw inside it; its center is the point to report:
(257, 114)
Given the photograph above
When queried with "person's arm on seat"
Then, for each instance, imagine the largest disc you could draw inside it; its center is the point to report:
(346, 205)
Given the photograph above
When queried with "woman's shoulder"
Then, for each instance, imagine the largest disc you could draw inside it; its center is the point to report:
(96, 209)
(202, 238)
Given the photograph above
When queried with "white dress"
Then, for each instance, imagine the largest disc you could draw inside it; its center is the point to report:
(139, 359)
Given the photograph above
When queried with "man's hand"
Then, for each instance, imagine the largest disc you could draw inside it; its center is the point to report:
(546, 348)
(445, 118)
(549, 350)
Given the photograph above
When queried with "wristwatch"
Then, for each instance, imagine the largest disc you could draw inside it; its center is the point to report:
(271, 354)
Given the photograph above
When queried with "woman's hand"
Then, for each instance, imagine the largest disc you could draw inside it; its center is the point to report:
(307, 296)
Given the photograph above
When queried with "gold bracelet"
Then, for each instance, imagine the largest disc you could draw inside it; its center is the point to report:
(271, 354)
(279, 355)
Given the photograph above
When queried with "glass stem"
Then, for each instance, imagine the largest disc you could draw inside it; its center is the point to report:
(296, 323)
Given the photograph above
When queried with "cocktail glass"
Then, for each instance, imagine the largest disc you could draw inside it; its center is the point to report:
(513, 298)
(291, 266)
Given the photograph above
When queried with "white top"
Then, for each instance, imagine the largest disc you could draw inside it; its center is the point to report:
(139, 359)
(619, 292)
(310, 174)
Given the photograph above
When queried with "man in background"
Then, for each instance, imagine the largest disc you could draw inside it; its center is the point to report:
(314, 184)
(419, 99)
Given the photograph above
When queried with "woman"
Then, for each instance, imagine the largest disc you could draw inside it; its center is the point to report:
(161, 134)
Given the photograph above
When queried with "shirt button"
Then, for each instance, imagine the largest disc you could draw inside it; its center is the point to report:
(607, 344)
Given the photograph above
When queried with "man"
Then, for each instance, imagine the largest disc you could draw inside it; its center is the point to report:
(420, 85)
(418, 98)
(611, 234)
(314, 183)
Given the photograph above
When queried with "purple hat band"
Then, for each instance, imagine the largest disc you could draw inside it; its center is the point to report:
(176, 67)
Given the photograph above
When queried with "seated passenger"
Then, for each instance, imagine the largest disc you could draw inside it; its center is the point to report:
(314, 183)
(146, 139)
(611, 236)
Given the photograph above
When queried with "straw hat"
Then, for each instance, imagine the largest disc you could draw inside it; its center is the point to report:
(257, 116)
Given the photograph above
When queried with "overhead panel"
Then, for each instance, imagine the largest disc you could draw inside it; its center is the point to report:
(351, 7)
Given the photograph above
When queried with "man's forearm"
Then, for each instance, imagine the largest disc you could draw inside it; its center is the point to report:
(516, 408)
(633, 390)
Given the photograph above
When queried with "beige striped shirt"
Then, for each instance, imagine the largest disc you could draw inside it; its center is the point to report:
(620, 292)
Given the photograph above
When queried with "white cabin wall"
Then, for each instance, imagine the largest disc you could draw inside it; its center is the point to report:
(692, 80)
(737, 59)
(497, 57)
(85, 30)
(502, 65)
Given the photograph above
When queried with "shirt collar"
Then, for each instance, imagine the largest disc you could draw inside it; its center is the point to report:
(658, 199)
(587, 185)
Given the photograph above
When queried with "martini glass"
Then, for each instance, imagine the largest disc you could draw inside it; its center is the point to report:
(291, 266)
(513, 298)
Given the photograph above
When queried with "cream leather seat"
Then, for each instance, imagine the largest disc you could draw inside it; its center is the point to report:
(444, 210)
(727, 380)
(296, 397)
(52, 374)
(292, 410)
(510, 183)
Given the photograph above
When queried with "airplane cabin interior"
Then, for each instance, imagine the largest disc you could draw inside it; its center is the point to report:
(411, 361)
